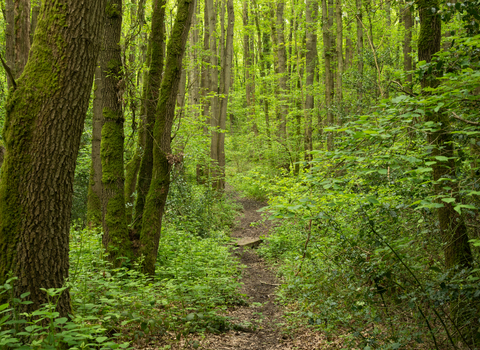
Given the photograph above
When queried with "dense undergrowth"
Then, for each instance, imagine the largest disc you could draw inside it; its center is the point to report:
(195, 281)
(359, 243)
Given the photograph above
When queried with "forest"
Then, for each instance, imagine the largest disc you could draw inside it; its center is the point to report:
(235, 174)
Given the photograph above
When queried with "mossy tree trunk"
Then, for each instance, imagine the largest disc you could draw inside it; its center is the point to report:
(457, 250)
(95, 188)
(44, 123)
(115, 230)
(162, 156)
(156, 54)
(33, 22)
(281, 69)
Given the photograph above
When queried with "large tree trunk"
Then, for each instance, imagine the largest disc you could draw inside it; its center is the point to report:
(95, 188)
(115, 231)
(457, 249)
(311, 64)
(156, 53)
(163, 159)
(43, 127)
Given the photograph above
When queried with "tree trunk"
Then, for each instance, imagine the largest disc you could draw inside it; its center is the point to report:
(282, 69)
(95, 188)
(327, 19)
(156, 53)
(457, 249)
(311, 65)
(10, 39)
(163, 159)
(34, 21)
(339, 90)
(44, 123)
(225, 82)
(22, 35)
(115, 231)
(359, 52)
(407, 43)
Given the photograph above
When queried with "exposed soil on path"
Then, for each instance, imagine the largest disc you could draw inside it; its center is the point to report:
(261, 322)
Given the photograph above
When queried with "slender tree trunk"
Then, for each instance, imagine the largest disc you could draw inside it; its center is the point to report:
(22, 35)
(43, 127)
(359, 51)
(327, 16)
(311, 65)
(33, 23)
(163, 159)
(225, 82)
(10, 38)
(213, 88)
(156, 54)
(339, 89)
(248, 54)
(115, 232)
(349, 49)
(282, 69)
(95, 188)
(407, 43)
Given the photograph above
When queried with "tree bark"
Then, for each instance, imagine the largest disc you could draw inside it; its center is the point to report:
(115, 232)
(311, 65)
(156, 53)
(163, 159)
(339, 89)
(457, 250)
(407, 43)
(95, 188)
(282, 69)
(34, 21)
(359, 51)
(10, 39)
(22, 35)
(327, 19)
(44, 123)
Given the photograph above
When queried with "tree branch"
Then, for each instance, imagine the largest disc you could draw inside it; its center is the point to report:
(464, 120)
(9, 72)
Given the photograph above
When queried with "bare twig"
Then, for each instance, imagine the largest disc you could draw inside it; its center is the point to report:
(464, 120)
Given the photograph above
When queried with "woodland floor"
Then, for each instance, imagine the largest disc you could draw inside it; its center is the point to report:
(262, 316)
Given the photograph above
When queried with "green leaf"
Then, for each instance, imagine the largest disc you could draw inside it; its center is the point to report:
(448, 200)
(441, 158)
(4, 306)
(373, 200)
(101, 339)
(190, 316)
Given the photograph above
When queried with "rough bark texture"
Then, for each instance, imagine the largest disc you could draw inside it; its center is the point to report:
(457, 249)
(310, 66)
(115, 232)
(43, 127)
(156, 52)
(94, 203)
(22, 35)
(162, 156)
